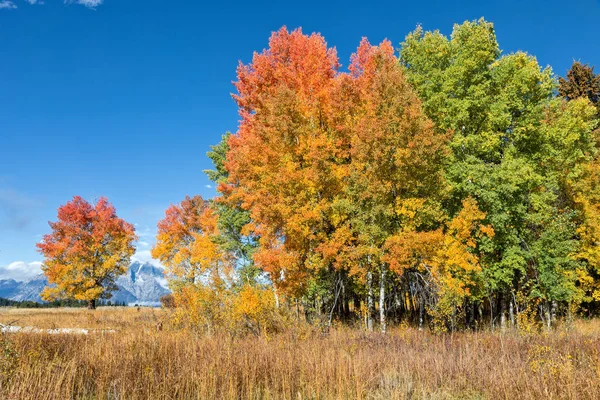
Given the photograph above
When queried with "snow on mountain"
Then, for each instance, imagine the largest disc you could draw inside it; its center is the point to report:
(20, 291)
(145, 282)
(8, 287)
(142, 284)
(30, 290)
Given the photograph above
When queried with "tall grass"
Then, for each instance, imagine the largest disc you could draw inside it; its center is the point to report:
(139, 362)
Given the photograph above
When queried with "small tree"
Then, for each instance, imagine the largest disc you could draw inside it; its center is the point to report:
(581, 81)
(88, 249)
(186, 245)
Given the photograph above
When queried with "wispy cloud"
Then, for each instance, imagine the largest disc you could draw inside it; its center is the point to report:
(17, 210)
(32, 2)
(144, 256)
(7, 4)
(21, 271)
(208, 186)
(87, 3)
(144, 232)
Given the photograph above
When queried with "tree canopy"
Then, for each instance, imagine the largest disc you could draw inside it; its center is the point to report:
(442, 184)
(88, 249)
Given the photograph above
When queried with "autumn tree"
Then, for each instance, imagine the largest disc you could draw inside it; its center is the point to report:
(322, 160)
(195, 265)
(282, 161)
(396, 160)
(200, 265)
(185, 242)
(456, 267)
(450, 180)
(88, 249)
(583, 178)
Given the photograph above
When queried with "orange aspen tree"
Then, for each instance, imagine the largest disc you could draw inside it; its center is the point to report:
(185, 242)
(197, 268)
(88, 249)
(282, 161)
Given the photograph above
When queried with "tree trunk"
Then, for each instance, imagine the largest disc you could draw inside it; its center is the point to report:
(297, 311)
(545, 312)
(336, 291)
(276, 297)
(502, 312)
(370, 305)
(356, 301)
(345, 304)
(382, 321)
(91, 304)
(399, 308)
(569, 315)
(491, 313)
(421, 314)
(511, 313)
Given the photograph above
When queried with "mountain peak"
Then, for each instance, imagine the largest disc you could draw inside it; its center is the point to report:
(143, 283)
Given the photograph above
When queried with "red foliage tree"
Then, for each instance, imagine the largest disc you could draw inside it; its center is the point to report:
(87, 250)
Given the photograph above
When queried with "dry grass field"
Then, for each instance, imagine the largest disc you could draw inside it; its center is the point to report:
(140, 362)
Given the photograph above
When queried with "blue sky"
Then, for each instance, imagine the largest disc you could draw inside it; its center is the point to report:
(122, 98)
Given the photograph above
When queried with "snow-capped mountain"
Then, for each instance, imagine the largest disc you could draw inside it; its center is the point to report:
(21, 291)
(145, 282)
(142, 284)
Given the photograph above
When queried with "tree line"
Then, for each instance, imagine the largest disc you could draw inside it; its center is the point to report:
(65, 302)
(446, 184)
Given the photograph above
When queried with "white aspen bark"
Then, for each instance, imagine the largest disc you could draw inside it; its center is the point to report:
(502, 312)
(276, 297)
(370, 302)
(382, 321)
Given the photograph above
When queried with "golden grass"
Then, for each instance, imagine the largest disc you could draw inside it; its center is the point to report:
(139, 362)
(119, 318)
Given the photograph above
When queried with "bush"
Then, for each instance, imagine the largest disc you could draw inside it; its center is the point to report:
(238, 311)
(167, 301)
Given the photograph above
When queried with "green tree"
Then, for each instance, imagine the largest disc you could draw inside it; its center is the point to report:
(507, 131)
(232, 219)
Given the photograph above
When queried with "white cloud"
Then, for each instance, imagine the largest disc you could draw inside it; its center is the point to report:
(144, 232)
(144, 256)
(208, 186)
(21, 271)
(87, 3)
(32, 2)
(7, 4)
(143, 243)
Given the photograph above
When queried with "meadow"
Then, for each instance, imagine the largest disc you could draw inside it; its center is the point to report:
(139, 361)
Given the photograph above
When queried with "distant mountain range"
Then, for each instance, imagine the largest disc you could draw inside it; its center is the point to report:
(143, 284)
